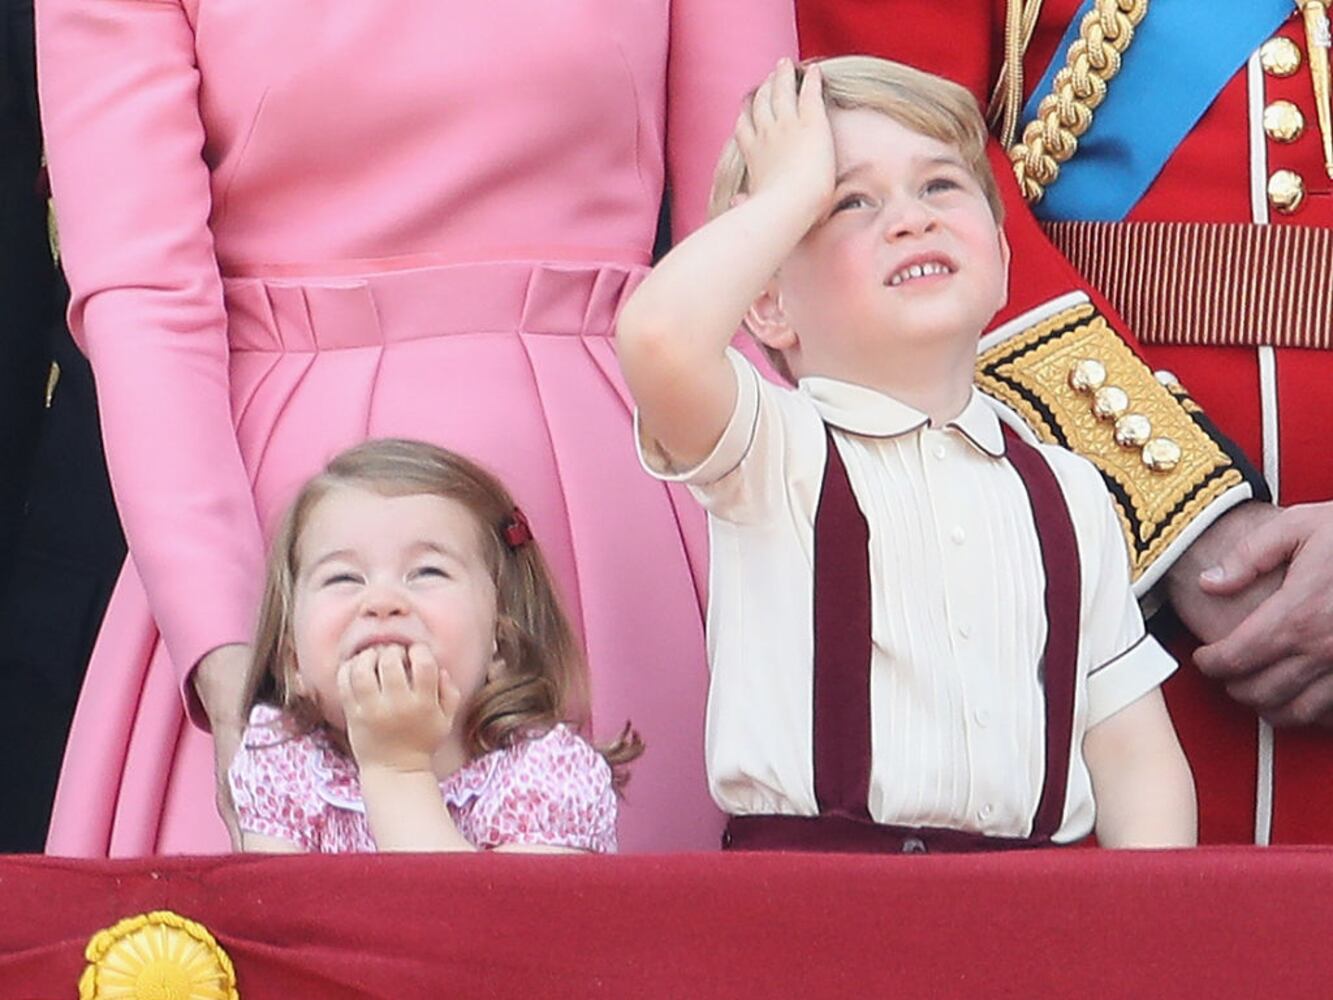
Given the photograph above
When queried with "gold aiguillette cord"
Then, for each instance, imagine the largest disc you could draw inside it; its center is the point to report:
(1318, 40)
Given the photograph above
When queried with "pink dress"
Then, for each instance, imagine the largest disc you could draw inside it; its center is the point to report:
(289, 227)
(553, 789)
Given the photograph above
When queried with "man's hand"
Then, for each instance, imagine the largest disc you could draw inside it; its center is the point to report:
(224, 683)
(400, 707)
(785, 138)
(1279, 659)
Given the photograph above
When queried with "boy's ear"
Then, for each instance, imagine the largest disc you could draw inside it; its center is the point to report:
(1005, 256)
(767, 320)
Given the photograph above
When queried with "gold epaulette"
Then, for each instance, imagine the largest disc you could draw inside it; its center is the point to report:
(1077, 384)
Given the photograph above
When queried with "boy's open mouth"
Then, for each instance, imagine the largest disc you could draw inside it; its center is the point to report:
(920, 267)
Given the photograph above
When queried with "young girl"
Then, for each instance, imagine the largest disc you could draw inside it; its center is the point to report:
(419, 669)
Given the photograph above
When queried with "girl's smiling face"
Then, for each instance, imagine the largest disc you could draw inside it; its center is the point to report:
(375, 570)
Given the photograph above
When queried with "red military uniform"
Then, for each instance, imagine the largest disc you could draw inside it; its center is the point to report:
(1241, 314)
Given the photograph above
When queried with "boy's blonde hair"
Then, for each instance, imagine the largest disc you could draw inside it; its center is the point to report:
(544, 678)
(922, 102)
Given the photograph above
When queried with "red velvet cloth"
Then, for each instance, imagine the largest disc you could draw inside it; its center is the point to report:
(1216, 922)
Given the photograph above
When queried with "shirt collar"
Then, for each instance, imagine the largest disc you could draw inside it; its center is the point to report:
(859, 409)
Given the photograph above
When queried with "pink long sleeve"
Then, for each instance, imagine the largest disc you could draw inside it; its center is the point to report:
(718, 53)
(119, 91)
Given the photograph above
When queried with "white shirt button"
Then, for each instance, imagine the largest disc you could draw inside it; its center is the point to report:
(982, 717)
(985, 811)
(958, 536)
(964, 630)
(938, 451)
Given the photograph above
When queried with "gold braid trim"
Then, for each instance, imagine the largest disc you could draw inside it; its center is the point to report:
(1006, 99)
(160, 955)
(1030, 373)
(1079, 87)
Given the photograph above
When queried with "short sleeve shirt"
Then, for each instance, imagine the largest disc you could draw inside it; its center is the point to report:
(553, 789)
(958, 614)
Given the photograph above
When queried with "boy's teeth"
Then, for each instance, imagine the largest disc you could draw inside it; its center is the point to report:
(917, 270)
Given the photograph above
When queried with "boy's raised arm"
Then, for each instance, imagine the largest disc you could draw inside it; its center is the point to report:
(673, 331)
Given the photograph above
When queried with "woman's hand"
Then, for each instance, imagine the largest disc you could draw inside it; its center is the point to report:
(400, 707)
(223, 682)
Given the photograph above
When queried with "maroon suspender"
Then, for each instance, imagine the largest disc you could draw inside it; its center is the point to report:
(842, 646)
(1059, 660)
(842, 655)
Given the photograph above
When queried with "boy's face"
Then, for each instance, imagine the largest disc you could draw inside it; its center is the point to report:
(909, 257)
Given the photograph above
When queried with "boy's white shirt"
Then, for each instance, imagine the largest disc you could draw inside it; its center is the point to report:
(958, 610)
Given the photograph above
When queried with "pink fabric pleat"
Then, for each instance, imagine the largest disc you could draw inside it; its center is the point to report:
(511, 364)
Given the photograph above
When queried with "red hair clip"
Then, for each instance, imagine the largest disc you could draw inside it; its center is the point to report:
(516, 530)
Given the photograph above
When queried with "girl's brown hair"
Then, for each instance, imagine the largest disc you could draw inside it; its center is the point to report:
(545, 678)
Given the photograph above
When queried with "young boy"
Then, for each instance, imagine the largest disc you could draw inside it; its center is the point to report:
(921, 627)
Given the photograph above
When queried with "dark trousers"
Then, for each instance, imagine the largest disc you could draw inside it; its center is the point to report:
(60, 541)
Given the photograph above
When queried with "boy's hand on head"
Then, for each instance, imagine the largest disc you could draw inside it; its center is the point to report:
(785, 138)
(673, 331)
(400, 707)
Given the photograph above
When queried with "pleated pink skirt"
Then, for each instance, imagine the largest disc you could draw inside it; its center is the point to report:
(511, 364)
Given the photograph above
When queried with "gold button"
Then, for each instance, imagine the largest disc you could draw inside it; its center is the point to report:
(1286, 191)
(1283, 121)
(1280, 57)
(1110, 402)
(1088, 375)
(1133, 430)
(1161, 454)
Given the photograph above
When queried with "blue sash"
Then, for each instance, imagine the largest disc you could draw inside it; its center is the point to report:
(1182, 55)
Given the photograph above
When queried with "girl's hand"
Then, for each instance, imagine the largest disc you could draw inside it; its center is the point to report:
(786, 140)
(400, 707)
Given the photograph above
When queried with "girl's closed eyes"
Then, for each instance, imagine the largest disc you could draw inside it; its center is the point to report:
(424, 636)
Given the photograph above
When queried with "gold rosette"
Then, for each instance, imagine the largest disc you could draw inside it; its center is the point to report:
(156, 956)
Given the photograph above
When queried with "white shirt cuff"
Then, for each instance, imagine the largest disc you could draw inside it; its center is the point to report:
(1126, 678)
(731, 447)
